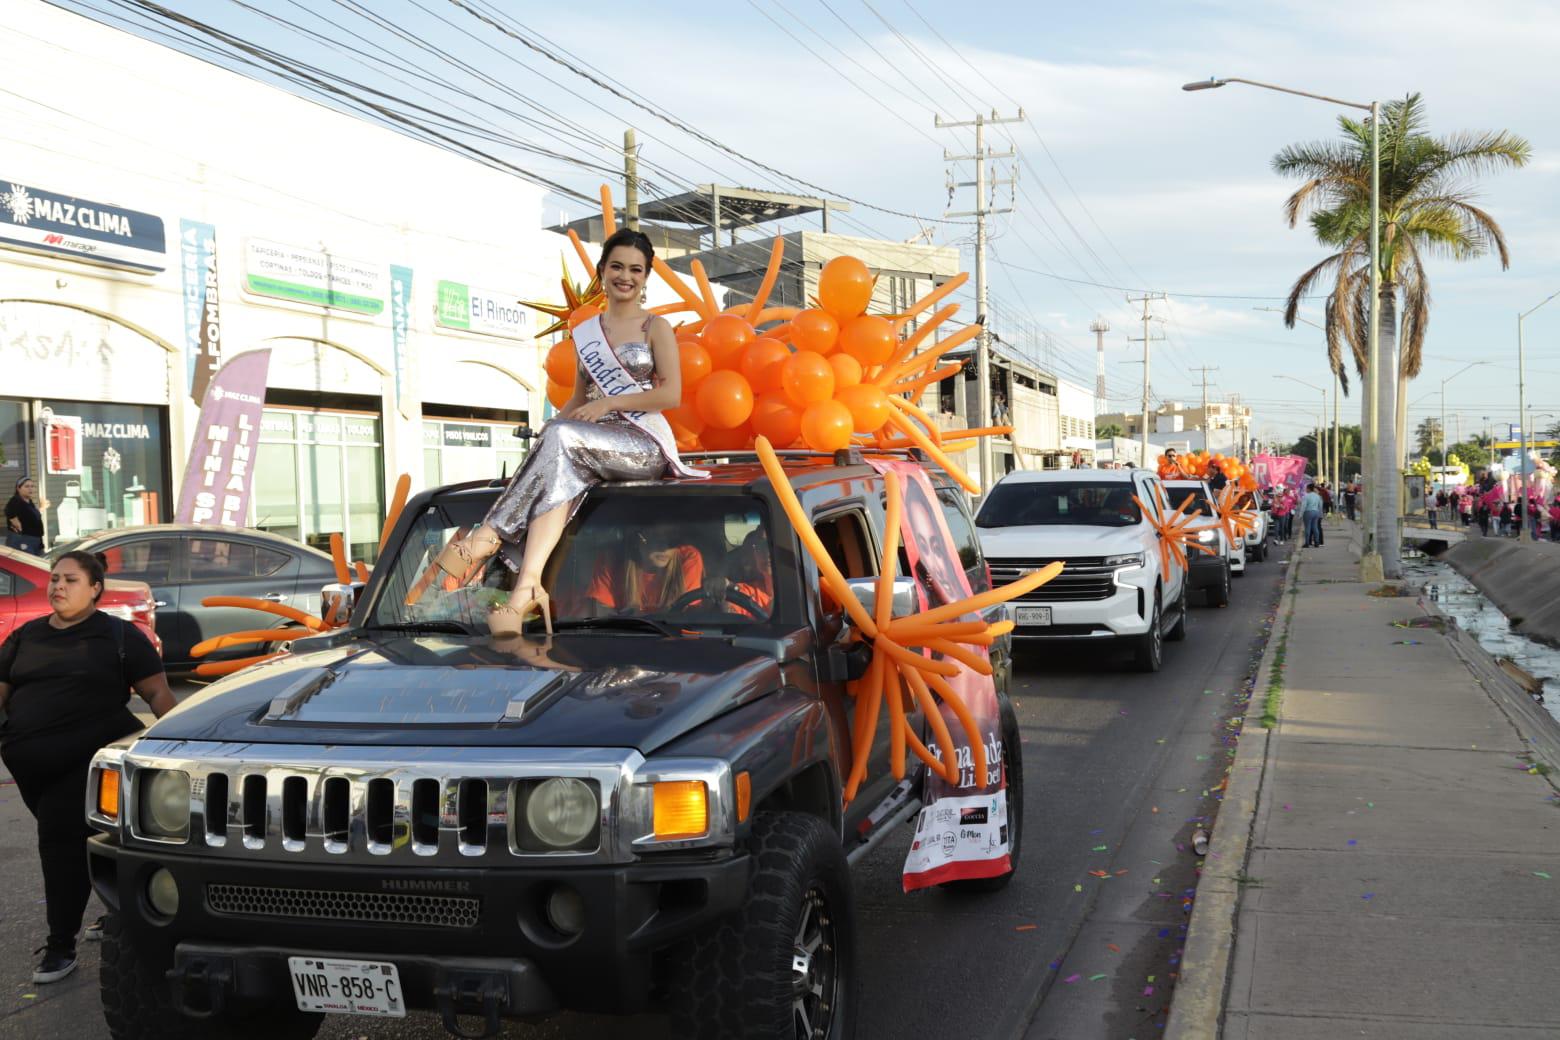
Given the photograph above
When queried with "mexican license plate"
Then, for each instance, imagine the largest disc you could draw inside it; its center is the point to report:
(347, 987)
(1033, 616)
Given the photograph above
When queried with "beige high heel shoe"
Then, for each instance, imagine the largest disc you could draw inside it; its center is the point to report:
(457, 560)
(506, 620)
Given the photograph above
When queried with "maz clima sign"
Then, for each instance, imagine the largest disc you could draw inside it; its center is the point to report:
(46, 222)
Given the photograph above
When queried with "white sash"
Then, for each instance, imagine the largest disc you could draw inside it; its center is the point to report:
(600, 362)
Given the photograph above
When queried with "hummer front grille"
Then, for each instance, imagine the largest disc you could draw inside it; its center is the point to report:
(328, 905)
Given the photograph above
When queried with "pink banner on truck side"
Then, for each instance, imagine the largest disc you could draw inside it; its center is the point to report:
(220, 473)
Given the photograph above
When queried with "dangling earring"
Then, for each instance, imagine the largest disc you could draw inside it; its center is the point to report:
(643, 295)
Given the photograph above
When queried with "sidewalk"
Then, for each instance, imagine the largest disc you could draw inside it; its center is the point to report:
(1402, 878)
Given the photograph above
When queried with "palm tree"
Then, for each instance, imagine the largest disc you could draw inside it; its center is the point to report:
(1426, 210)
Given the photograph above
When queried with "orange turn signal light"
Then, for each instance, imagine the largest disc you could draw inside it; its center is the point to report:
(681, 809)
(108, 794)
(744, 796)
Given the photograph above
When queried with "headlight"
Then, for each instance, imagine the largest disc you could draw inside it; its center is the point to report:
(1125, 560)
(561, 812)
(165, 803)
(1207, 536)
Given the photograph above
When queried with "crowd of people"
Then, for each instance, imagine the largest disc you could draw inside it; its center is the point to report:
(1487, 504)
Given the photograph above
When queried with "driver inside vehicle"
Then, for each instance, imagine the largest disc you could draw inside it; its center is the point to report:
(654, 571)
(751, 573)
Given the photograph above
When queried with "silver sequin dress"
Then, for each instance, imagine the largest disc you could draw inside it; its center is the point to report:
(571, 456)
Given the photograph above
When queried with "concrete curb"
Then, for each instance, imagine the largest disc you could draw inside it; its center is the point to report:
(1198, 1004)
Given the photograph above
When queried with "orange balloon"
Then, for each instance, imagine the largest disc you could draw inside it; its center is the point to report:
(845, 287)
(868, 406)
(694, 361)
(869, 339)
(686, 415)
(815, 330)
(734, 439)
(562, 363)
(826, 426)
(724, 400)
(847, 370)
(759, 363)
(558, 395)
(580, 314)
(776, 418)
(724, 337)
(807, 378)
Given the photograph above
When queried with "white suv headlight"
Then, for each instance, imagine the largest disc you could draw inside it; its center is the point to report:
(164, 804)
(1207, 536)
(1125, 560)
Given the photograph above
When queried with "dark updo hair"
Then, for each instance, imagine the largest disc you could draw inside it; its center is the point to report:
(626, 236)
(92, 563)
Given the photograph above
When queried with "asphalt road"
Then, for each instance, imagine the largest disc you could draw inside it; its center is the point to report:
(1119, 769)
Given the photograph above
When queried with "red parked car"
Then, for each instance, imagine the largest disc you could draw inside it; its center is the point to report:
(24, 595)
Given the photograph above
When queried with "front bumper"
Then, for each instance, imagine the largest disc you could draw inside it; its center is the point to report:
(630, 913)
(1123, 614)
(1204, 571)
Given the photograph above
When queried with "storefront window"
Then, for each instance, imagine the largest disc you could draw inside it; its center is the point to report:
(454, 452)
(321, 473)
(105, 466)
(14, 460)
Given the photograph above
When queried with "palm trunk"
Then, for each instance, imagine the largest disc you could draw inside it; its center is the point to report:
(1389, 483)
(1402, 421)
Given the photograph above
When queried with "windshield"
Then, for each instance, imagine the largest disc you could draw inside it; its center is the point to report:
(1096, 503)
(692, 559)
(1201, 503)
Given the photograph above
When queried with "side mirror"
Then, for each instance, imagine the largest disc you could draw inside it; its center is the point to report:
(338, 600)
(904, 595)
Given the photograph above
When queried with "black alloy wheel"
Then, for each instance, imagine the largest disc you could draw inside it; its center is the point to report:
(1151, 644)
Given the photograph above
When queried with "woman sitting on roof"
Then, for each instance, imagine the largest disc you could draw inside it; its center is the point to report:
(611, 429)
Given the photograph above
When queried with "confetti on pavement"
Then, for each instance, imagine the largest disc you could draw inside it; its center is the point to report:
(1543, 874)
(1025, 927)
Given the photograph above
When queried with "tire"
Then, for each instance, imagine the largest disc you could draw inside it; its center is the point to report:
(1013, 766)
(1219, 595)
(138, 1001)
(738, 977)
(1150, 650)
(1177, 631)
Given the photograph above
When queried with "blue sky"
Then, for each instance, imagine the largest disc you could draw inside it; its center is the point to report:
(1136, 184)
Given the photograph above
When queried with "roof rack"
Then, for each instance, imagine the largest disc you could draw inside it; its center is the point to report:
(854, 455)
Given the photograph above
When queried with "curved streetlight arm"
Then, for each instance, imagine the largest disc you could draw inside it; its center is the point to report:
(1212, 82)
(1302, 382)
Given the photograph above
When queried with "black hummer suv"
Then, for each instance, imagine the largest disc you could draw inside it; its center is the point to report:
(643, 811)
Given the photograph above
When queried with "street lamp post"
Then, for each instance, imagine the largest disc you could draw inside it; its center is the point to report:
(1382, 472)
(1448, 379)
(1321, 430)
(1522, 441)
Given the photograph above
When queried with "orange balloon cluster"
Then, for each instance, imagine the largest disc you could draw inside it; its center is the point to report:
(825, 377)
(1198, 465)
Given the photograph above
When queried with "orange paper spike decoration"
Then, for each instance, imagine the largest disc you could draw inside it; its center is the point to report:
(896, 665)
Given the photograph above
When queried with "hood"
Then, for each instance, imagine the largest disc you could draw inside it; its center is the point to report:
(1057, 541)
(595, 690)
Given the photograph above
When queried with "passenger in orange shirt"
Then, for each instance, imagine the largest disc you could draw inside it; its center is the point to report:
(655, 574)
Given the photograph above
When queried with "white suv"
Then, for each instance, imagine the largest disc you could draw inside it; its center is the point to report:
(1112, 587)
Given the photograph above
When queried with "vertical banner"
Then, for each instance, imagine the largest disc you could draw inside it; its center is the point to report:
(400, 328)
(220, 473)
(202, 308)
(963, 830)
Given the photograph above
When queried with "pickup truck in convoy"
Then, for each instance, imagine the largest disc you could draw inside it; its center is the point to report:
(1210, 572)
(1257, 537)
(643, 811)
(1112, 587)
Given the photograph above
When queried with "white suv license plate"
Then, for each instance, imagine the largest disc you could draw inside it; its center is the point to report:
(1033, 616)
(347, 987)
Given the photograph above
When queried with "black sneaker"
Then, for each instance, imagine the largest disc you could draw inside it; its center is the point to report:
(94, 931)
(54, 966)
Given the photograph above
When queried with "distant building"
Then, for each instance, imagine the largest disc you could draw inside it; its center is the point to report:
(1223, 428)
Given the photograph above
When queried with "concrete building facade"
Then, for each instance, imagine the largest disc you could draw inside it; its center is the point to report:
(145, 182)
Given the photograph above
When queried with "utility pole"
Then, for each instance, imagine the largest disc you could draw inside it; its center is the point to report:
(1099, 326)
(1148, 338)
(983, 207)
(630, 180)
(1207, 421)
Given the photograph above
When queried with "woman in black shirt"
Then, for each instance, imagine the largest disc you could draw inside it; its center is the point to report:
(23, 521)
(65, 682)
